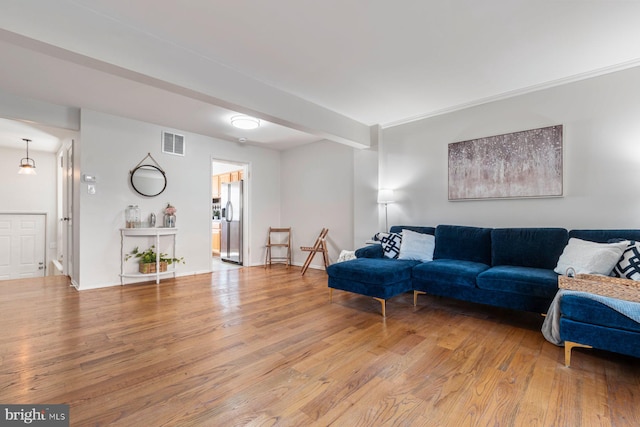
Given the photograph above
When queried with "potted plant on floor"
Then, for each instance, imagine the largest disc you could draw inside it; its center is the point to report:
(147, 259)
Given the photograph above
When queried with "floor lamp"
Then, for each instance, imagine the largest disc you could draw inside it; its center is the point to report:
(385, 196)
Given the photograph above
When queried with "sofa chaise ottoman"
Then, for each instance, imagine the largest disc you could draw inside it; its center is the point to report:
(373, 274)
(585, 322)
(380, 279)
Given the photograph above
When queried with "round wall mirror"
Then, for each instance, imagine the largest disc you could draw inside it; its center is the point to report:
(148, 180)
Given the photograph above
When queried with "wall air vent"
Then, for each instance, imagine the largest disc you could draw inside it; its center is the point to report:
(173, 143)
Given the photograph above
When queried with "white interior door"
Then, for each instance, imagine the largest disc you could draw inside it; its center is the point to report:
(67, 219)
(22, 246)
(61, 228)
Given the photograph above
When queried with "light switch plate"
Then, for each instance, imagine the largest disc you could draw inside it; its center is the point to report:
(91, 189)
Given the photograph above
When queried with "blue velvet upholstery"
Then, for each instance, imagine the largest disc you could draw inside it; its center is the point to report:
(367, 270)
(484, 296)
(528, 247)
(520, 280)
(463, 243)
(417, 229)
(601, 337)
(379, 278)
(586, 310)
(449, 272)
(384, 291)
(370, 251)
(603, 236)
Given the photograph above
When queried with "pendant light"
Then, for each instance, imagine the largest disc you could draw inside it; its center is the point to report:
(27, 165)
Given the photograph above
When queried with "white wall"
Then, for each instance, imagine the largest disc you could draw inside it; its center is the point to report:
(365, 207)
(601, 158)
(111, 146)
(317, 191)
(30, 193)
(43, 113)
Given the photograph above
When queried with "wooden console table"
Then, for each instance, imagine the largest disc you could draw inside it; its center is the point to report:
(156, 233)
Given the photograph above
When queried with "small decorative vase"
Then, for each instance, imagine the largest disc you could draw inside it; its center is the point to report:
(169, 221)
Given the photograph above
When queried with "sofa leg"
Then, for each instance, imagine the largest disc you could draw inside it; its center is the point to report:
(384, 314)
(330, 295)
(568, 346)
(415, 297)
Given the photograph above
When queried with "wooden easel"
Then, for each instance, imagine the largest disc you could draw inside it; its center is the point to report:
(319, 246)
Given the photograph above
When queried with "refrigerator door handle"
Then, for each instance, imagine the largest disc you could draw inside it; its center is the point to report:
(229, 209)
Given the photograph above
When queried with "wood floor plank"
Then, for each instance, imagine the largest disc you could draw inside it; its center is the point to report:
(257, 346)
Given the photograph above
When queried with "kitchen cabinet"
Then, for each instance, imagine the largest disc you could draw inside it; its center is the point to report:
(215, 187)
(215, 238)
(217, 180)
(225, 177)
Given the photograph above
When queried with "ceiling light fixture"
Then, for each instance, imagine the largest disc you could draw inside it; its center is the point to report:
(245, 122)
(27, 165)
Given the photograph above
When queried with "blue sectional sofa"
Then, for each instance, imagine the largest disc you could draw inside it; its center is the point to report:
(504, 267)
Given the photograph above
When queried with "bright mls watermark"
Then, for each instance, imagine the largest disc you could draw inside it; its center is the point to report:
(34, 415)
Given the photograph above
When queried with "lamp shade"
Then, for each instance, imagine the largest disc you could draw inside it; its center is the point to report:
(385, 196)
(27, 170)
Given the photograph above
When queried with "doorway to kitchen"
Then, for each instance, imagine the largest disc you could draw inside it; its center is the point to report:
(229, 206)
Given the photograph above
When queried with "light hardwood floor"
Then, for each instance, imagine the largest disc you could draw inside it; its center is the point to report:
(259, 346)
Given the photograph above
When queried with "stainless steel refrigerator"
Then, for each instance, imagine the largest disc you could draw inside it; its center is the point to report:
(231, 223)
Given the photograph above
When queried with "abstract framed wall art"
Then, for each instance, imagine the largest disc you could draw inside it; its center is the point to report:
(514, 165)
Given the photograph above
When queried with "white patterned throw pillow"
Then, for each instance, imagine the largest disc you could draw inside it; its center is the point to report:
(391, 244)
(628, 267)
